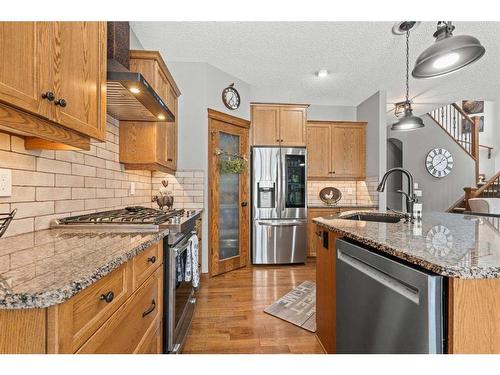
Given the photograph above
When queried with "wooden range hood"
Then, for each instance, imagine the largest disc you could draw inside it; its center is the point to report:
(130, 97)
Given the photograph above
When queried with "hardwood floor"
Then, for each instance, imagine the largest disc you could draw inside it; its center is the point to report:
(229, 316)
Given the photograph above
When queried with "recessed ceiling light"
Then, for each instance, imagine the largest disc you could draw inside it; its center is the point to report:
(134, 90)
(161, 117)
(322, 73)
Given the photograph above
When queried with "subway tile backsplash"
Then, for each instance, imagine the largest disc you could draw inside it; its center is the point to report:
(52, 184)
(353, 192)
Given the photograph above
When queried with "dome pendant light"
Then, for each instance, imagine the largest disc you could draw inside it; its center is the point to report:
(448, 54)
(408, 121)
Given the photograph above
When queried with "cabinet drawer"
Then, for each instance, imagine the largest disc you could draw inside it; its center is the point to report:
(82, 315)
(146, 263)
(128, 329)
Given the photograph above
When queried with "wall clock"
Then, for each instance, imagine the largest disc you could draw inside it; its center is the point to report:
(231, 97)
(439, 162)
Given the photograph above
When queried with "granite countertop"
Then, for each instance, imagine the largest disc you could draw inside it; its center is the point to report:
(45, 268)
(319, 205)
(452, 245)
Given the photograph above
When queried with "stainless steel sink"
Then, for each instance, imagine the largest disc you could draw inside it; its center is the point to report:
(377, 217)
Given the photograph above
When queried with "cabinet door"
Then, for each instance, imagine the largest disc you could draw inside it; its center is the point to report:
(25, 66)
(172, 133)
(292, 126)
(326, 289)
(265, 125)
(318, 150)
(161, 142)
(348, 152)
(79, 55)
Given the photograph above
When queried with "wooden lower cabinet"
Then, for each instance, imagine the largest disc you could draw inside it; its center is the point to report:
(131, 325)
(121, 313)
(325, 288)
(312, 213)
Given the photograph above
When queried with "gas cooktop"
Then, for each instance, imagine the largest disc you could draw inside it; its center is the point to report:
(135, 217)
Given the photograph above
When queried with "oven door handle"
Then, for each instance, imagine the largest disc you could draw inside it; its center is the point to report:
(180, 249)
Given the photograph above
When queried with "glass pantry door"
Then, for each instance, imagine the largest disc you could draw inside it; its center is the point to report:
(229, 209)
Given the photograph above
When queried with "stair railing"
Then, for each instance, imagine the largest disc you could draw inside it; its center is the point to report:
(490, 189)
(464, 130)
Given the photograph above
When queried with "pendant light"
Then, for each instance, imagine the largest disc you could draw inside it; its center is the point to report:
(408, 121)
(448, 54)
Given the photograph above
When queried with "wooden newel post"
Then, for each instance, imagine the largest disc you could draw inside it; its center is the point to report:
(470, 192)
(475, 142)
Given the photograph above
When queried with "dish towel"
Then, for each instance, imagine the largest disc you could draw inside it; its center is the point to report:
(192, 271)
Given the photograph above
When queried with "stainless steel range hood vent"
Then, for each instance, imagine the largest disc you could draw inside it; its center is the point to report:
(129, 96)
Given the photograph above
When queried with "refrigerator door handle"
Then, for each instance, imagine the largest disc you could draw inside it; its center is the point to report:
(287, 223)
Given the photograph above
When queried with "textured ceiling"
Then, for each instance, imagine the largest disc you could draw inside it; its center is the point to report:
(361, 58)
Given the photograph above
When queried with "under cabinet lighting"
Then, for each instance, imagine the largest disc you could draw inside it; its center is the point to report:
(134, 90)
(161, 117)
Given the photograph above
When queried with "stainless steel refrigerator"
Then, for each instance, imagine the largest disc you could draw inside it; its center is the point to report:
(279, 210)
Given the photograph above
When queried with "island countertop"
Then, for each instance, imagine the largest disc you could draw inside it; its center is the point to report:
(45, 268)
(452, 245)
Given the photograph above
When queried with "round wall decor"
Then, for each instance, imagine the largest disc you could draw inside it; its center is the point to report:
(231, 97)
(439, 162)
(330, 195)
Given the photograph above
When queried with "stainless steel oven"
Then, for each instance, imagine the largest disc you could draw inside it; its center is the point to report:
(180, 296)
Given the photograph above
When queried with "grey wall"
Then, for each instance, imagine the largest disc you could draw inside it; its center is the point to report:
(135, 43)
(438, 193)
(395, 181)
(201, 86)
(373, 111)
(331, 113)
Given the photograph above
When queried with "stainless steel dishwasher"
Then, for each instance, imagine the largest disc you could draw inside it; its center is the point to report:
(384, 306)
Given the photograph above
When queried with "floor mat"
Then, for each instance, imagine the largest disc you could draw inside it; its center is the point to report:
(297, 306)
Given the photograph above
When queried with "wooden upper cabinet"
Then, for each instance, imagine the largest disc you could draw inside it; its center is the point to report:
(56, 72)
(349, 149)
(336, 149)
(24, 77)
(80, 76)
(265, 125)
(278, 125)
(151, 145)
(293, 126)
(318, 150)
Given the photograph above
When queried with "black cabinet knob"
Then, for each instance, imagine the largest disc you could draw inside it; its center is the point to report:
(108, 297)
(49, 95)
(152, 259)
(244, 204)
(61, 102)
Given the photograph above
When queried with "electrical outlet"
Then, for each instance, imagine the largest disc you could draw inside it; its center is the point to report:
(5, 182)
(132, 188)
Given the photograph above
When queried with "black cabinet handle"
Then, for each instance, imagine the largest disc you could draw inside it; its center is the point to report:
(152, 259)
(108, 297)
(61, 102)
(150, 309)
(49, 95)
(244, 204)
(170, 159)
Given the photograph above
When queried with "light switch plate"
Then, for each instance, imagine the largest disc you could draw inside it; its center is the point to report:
(5, 182)
(132, 188)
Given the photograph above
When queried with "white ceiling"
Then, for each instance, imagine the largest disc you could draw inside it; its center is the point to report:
(361, 58)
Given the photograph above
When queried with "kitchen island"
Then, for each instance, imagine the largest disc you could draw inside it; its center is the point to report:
(464, 249)
(67, 291)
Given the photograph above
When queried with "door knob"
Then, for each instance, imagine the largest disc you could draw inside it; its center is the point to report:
(61, 102)
(49, 95)
(244, 204)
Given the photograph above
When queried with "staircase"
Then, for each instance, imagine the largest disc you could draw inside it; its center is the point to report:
(464, 130)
